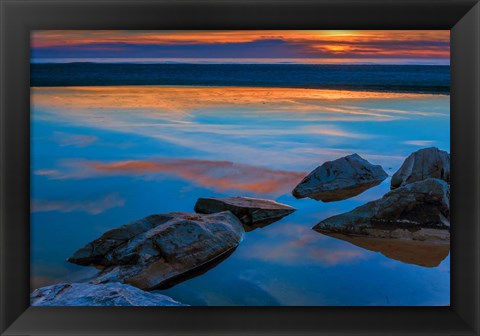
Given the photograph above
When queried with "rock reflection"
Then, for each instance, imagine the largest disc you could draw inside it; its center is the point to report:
(343, 194)
(196, 271)
(262, 224)
(421, 253)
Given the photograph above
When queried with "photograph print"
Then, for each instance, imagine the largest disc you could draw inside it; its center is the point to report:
(240, 168)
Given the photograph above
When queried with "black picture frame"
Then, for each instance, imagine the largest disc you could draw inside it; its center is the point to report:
(19, 17)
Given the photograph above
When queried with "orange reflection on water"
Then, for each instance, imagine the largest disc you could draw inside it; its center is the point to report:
(181, 99)
(220, 175)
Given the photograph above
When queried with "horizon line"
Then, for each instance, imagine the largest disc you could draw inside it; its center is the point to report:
(239, 61)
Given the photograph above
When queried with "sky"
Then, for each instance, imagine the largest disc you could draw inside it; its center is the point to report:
(245, 46)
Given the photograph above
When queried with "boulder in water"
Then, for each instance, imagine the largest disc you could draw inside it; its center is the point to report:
(422, 164)
(340, 179)
(158, 250)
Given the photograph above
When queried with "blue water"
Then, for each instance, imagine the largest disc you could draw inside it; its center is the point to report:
(404, 78)
(176, 140)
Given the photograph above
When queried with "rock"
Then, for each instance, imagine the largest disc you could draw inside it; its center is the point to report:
(340, 179)
(422, 164)
(403, 213)
(422, 253)
(157, 251)
(87, 294)
(252, 212)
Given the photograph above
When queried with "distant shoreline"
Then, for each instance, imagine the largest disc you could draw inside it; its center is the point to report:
(433, 79)
(166, 62)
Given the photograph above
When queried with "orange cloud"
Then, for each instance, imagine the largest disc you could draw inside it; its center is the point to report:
(43, 38)
(358, 43)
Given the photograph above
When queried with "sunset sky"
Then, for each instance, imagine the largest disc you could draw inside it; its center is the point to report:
(248, 46)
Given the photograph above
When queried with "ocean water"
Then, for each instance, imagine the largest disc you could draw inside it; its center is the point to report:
(104, 154)
(401, 78)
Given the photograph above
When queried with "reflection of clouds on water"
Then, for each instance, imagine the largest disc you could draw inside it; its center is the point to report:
(239, 124)
(76, 140)
(161, 148)
(291, 244)
(420, 143)
(160, 98)
(93, 207)
(218, 175)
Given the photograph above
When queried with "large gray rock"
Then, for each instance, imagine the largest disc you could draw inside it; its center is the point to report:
(340, 179)
(422, 164)
(87, 294)
(158, 250)
(252, 212)
(417, 211)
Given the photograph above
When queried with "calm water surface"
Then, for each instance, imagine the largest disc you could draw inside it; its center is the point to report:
(104, 156)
